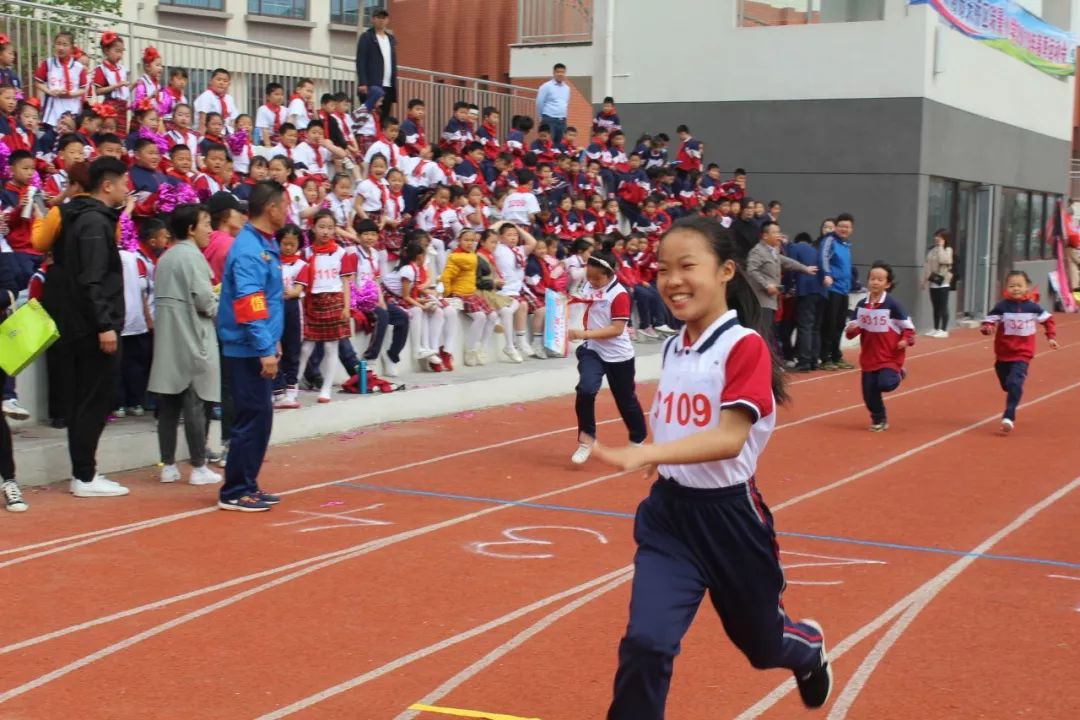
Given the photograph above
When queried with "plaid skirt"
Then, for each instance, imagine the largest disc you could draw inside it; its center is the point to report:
(364, 143)
(474, 304)
(533, 302)
(323, 321)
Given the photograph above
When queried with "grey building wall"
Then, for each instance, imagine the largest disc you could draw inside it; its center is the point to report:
(869, 157)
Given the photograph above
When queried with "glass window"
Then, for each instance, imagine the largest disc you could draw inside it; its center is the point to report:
(1037, 227)
(345, 12)
(939, 212)
(1019, 227)
(296, 9)
(196, 4)
(765, 13)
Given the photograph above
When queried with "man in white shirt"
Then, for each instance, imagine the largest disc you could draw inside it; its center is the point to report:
(376, 60)
(553, 103)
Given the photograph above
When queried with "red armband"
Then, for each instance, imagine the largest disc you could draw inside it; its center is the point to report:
(250, 308)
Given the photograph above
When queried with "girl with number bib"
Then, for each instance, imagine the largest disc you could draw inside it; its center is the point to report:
(704, 525)
(887, 332)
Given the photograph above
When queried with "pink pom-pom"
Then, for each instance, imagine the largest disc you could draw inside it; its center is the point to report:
(5, 153)
(237, 142)
(186, 195)
(129, 236)
(366, 296)
(166, 198)
(161, 141)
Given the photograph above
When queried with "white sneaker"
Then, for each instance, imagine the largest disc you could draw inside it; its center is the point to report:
(137, 411)
(482, 356)
(170, 474)
(100, 486)
(13, 499)
(471, 359)
(15, 411)
(390, 369)
(120, 412)
(943, 333)
(538, 350)
(666, 329)
(581, 454)
(512, 355)
(1007, 425)
(524, 348)
(425, 353)
(203, 476)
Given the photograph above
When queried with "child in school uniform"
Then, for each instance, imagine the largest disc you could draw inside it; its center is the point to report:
(286, 385)
(607, 351)
(704, 526)
(370, 267)
(413, 128)
(1013, 323)
(403, 287)
(520, 125)
(216, 99)
(62, 80)
(886, 333)
(608, 118)
(271, 115)
(300, 111)
(459, 278)
(136, 340)
(326, 280)
(180, 133)
(111, 79)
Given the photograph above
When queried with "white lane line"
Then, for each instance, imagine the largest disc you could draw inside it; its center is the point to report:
(870, 627)
(311, 565)
(836, 651)
(607, 582)
(118, 530)
(512, 644)
(926, 595)
(157, 605)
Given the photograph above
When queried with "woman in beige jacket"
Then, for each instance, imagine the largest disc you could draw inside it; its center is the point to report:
(938, 276)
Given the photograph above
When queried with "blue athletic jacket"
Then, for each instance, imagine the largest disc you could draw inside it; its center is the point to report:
(836, 263)
(806, 254)
(251, 313)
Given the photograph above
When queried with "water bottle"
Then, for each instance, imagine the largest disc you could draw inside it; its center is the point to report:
(362, 372)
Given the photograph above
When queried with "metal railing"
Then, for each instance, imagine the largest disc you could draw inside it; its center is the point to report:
(31, 28)
(549, 22)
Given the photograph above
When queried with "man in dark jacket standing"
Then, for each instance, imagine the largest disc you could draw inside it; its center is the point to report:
(745, 231)
(84, 293)
(376, 61)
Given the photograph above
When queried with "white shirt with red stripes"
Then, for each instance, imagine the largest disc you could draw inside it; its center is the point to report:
(729, 366)
(606, 306)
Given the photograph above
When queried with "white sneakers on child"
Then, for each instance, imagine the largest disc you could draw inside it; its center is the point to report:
(1007, 425)
(100, 486)
(525, 349)
(538, 349)
(512, 355)
(204, 476)
(288, 400)
(471, 360)
(425, 353)
(170, 474)
(581, 455)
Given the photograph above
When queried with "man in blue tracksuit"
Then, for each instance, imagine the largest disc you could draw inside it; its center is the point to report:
(836, 277)
(250, 322)
(809, 299)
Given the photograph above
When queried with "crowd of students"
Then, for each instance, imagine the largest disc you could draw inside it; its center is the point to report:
(393, 230)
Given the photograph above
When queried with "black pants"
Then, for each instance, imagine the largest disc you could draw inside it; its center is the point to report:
(136, 354)
(689, 541)
(939, 299)
(253, 404)
(873, 385)
(1011, 375)
(193, 408)
(91, 380)
(650, 308)
(808, 317)
(620, 377)
(227, 412)
(291, 340)
(833, 320)
(786, 328)
(7, 449)
(390, 316)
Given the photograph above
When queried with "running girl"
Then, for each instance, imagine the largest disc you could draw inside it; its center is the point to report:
(704, 525)
(887, 332)
(607, 351)
(1014, 343)
(326, 280)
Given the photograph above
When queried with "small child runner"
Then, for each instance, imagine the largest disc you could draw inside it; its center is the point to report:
(704, 525)
(326, 280)
(607, 351)
(887, 332)
(1014, 341)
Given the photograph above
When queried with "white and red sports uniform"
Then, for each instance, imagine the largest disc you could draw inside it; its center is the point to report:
(728, 366)
(607, 306)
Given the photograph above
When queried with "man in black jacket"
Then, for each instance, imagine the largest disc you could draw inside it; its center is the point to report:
(745, 231)
(376, 61)
(84, 293)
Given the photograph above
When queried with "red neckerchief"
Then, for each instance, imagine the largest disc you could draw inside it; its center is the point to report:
(224, 105)
(173, 92)
(394, 202)
(421, 279)
(325, 249)
(479, 210)
(451, 176)
(370, 257)
(21, 139)
(89, 140)
(319, 162)
(418, 171)
(153, 84)
(114, 69)
(290, 259)
(274, 110)
(288, 150)
(439, 210)
(10, 185)
(493, 131)
(307, 108)
(213, 138)
(174, 173)
(66, 67)
(564, 215)
(393, 149)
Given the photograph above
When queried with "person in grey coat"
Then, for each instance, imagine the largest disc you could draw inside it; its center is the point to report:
(185, 372)
(764, 267)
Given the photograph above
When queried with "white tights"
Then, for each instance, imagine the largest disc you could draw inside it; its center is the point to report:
(506, 317)
(481, 327)
(326, 367)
